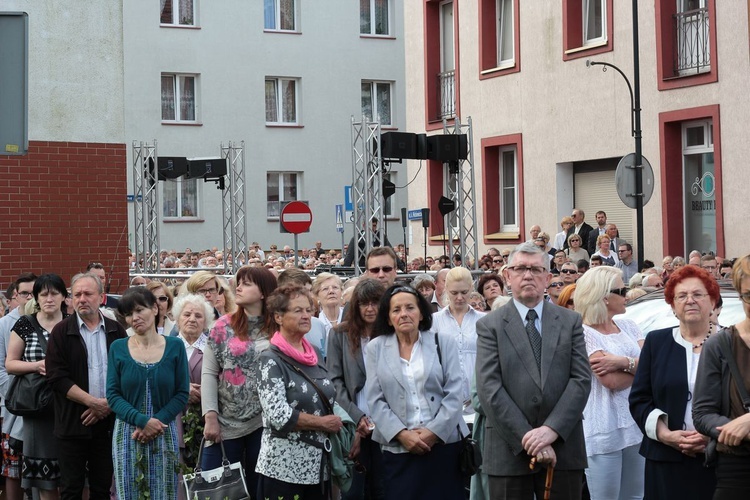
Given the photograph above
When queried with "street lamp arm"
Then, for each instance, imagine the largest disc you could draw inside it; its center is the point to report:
(605, 65)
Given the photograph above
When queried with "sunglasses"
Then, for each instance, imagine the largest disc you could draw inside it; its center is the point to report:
(570, 303)
(162, 299)
(556, 285)
(376, 270)
(568, 271)
(497, 261)
(619, 291)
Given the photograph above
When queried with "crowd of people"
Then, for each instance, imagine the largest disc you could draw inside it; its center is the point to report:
(273, 362)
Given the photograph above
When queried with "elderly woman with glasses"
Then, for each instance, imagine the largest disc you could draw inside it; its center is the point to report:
(661, 400)
(203, 283)
(718, 407)
(414, 392)
(615, 469)
(575, 252)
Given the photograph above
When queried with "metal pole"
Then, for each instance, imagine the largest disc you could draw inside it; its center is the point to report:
(296, 252)
(638, 142)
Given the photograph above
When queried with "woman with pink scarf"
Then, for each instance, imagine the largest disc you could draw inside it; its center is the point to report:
(230, 403)
(296, 394)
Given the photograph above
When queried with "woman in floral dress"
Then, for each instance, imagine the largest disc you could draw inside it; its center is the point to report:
(228, 396)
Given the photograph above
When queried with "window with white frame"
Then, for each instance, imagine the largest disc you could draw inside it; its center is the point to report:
(505, 36)
(177, 12)
(376, 101)
(180, 198)
(178, 97)
(594, 21)
(374, 17)
(281, 101)
(280, 186)
(508, 190)
(280, 15)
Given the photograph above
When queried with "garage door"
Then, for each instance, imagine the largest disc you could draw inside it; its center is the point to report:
(596, 191)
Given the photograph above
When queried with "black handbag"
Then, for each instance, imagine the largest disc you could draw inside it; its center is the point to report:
(29, 395)
(226, 482)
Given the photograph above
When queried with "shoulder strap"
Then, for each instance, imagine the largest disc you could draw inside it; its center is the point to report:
(296, 368)
(726, 349)
(38, 330)
(439, 352)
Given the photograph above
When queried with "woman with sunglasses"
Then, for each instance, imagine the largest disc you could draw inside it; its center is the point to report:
(613, 345)
(574, 250)
(415, 398)
(346, 369)
(661, 400)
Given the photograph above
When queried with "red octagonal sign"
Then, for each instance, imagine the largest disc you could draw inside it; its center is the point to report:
(296, 217)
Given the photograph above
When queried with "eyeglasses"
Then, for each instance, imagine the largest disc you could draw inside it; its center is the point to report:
(163, 298)
(207, 291)
(332, 288)
(376, 270)
(534, 270)
(622, 250)
(365, 305)
(25, 295)
(745, 297)
(575, 241)
(570, 303)
(697, 296)
(497, 261)
(619, 291)
(568, 271)
(556, 285)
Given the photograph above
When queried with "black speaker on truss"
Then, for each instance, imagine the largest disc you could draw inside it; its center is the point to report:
(447, 147)
(171, 167)
(208, 168)
(398, 145)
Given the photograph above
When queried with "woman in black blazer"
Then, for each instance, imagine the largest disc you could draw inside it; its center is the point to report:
(346, 368)
(662, 392)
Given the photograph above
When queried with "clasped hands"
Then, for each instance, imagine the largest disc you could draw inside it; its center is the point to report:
(417, 441)
(154, 428)
(538, 444)
(688, 442)
(98, 410)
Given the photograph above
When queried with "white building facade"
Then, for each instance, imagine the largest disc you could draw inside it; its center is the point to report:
(548, 131)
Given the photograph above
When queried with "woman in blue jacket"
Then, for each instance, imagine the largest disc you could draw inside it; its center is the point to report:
(147, 386)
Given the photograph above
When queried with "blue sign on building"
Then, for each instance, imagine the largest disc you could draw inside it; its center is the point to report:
(414, 214)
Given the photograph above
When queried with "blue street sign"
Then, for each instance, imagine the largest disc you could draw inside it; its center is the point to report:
(348, 205)
(414, 214)
(340, 218)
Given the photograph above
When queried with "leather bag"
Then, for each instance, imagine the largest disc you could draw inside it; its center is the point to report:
(226, 482)
(29, 395)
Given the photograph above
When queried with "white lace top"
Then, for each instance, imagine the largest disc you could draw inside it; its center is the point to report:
(607, 424)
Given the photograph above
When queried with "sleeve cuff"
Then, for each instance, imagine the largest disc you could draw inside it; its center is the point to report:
(652, 420)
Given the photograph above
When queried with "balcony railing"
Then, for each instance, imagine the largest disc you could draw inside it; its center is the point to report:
(447, 89)
(692, 49)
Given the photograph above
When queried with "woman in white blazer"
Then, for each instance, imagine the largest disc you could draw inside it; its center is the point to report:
(414, 395)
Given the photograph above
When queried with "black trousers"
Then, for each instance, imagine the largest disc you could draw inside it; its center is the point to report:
(566, 485)
(273, 488)
(81, 457)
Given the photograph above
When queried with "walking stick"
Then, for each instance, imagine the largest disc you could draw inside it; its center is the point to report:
(548, 480)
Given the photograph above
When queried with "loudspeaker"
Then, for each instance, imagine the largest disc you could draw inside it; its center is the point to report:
(403, 218)
(172, 167)
(389, 189)
(210, 168)
(398, 145)
(446, 206)
(425, 217)
(422, 147)
(447, 147)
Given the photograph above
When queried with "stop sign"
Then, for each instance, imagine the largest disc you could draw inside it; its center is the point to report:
(296, 217)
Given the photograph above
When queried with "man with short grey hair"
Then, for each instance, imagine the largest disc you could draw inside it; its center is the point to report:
(77, 372)
(533, 381)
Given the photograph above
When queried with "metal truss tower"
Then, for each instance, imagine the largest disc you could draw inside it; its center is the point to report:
(233, 204)
(459, 184)
(146, 207)
(367, 189)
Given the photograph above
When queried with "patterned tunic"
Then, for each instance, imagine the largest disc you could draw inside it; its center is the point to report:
(235, 370)
(285, 394)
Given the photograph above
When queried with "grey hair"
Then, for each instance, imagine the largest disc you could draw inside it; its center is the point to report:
(420, 278)
(196, 300)
(529, 248)
(94, 277)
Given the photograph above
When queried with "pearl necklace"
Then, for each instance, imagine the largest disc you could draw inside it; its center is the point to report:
(698, 346)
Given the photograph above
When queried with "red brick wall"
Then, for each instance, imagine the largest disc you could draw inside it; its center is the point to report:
(62, 206)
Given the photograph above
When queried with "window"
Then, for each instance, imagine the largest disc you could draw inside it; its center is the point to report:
(281, 101)
(502, 188)
(594, 18)
(280, 186)
(180, 198)
(692, 201)
(685, 43)
(447, 75)
(377, 96)
(280, 15)
(178, 98)
(498, 38)
(587, 28)
(441, 96)
(374, 17)
(177, 12)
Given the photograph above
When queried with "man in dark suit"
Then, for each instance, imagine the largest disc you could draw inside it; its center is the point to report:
(600, 229)
(579, 227)
(533, 380)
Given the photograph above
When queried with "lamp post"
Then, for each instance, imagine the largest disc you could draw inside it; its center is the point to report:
(635, 125)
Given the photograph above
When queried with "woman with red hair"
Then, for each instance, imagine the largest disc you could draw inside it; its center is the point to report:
(661, 398)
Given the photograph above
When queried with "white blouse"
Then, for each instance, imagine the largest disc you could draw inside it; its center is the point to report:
(466, 336)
